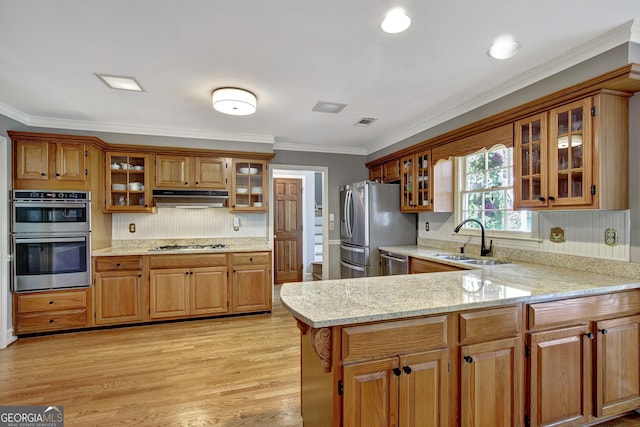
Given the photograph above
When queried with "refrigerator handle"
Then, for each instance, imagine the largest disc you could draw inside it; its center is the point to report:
(347, 209)
(350, 249)
(351, 213)
(351, 267)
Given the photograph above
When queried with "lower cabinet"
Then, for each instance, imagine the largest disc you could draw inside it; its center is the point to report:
(251, 282)
(177, 291)
(119, 290)
(418, 265)
(52, 311)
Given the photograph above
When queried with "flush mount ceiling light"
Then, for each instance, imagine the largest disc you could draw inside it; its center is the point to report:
(328, 107)
(396, 21)
(504, 47)
(234, 101)
(120, 82)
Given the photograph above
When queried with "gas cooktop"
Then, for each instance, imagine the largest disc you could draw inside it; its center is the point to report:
(188, 247)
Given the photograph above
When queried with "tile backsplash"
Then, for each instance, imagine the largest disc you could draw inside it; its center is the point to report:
(172, 223)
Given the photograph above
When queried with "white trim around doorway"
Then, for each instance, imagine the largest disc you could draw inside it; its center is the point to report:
(6, 330)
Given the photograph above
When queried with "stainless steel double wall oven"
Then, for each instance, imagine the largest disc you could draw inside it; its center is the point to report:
(51, 240)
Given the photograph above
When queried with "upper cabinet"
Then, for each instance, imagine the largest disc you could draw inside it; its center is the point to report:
(249, 186)
(176, 171)
(386, 172)
(574, 156)
(55, 161)
(128, 183)
(425, 186)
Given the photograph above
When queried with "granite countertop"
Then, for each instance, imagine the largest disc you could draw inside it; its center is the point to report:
(123, 251)
(350, 301)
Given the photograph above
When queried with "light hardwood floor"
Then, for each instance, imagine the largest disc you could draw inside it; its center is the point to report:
(240, 371)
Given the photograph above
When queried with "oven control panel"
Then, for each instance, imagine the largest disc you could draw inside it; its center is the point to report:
(24, 195)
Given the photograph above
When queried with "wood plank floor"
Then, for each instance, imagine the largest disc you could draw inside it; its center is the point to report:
(241, 371)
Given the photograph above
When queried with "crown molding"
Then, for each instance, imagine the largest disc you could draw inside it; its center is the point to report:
(627, 32)
(315, 148)
(14, 114)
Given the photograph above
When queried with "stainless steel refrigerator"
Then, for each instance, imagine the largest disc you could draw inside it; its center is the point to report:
(371, 217)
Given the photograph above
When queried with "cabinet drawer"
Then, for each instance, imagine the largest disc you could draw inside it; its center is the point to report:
(250, 258)
(118, 263)
(578, 310)
(489, 325)
(187, 261)
(393, 338)
(52, 321)
(51, 301)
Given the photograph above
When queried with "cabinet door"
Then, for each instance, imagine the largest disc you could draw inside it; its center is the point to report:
(530, 162)
(424, 388)
(209, 290)
(570, 154)
(491, 383)
(408, 200)
(251, 288)
(169, 293)
(618, 366)
(560, 377)
(375, 173)
(249, 186)
(118, 297)
(391, 171)
(371, 394)
(128, 184)
(172, 171)
(210, 172)
(71, 162)
(423, 266)
(422, 184)
(32, 160)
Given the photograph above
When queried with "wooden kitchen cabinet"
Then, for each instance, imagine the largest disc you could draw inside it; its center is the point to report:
(120, 291)
(128, 182)
(419, 265)
(574, 156)
(251, 282)
(388, 171)
(52, 311)
(396, 373)
(186, 286)
(426, 186)
(249, 186)
(177, 171)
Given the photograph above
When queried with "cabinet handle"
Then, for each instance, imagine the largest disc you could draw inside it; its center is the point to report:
(191, 273)
(468, 359)
(187, 273)
(139, 275)
(552, 199)
(57, 174)
(604, 331)
(118, 265)
(397, 372)
(186, 183)
(542, 199)
(51, 320)
(589, 335)
(406, 369)
(43, 174)
(197, 182)
(50, 302)
(251, 259)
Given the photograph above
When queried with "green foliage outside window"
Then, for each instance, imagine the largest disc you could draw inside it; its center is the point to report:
(488, 192)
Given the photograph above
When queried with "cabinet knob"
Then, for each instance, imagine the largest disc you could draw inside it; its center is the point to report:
(397, 372)
(50, 302)
(51, 320)
(406, 369)
(186, 183)
(197, 182)
(251, 259)
(604, 331)
(43, 174)
(186, 273)
(139, 275)
(468, 359)
(118, 265)
(57, 174)
(552, 199)
(589, 335)
(542, 199)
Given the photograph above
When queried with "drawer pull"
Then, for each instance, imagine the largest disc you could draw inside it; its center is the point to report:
(589, 335)
(468, 359)
(50, 302)
(397, 372)
(251, 259)
(406, 369)
(604, 331)
(118, 265)
(51, 320)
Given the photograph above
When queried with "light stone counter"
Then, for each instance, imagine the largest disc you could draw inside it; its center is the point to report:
(124, 251)
(350, 301)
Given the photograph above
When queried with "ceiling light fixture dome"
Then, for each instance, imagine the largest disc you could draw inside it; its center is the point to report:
(396, 21)
(234, 101)
(504, 47)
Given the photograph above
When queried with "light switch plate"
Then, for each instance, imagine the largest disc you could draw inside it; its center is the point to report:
(556, 234)
(611, 237)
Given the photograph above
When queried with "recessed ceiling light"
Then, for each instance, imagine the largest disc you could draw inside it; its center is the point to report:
(396, 21)
(120, 82)
(504, 47)
(328, 107)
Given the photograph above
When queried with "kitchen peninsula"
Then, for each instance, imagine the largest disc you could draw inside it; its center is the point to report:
(508, 344)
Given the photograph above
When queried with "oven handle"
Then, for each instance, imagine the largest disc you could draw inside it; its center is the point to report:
(393, 258)
(50, 240)
(50, 204)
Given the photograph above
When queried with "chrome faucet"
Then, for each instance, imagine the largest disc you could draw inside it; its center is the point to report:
(484, 251)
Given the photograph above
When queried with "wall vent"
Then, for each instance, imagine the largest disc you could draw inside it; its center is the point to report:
(365, 121)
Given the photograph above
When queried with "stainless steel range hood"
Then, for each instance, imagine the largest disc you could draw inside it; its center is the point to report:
(190, 199)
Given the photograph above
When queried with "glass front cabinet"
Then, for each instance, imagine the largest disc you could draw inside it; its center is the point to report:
(127, 181)
(416, 190)
(249, 186)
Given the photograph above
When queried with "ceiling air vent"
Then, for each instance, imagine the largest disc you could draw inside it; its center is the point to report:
(328, 107)
(365, 121)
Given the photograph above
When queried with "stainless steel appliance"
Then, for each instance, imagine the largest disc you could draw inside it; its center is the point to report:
(51, 240)
(392, 263)
(370, 218)
(189, 247)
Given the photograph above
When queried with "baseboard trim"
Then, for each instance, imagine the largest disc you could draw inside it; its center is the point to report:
(8, 338)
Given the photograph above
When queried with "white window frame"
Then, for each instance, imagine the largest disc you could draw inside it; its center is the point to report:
(460, 189)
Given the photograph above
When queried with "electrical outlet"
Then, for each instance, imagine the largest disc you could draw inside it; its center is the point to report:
(611, 237)
(556, 234)
(132, 228)
(426, 226)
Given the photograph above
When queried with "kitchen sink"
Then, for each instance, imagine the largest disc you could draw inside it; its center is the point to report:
(453, 257)
(483, 261)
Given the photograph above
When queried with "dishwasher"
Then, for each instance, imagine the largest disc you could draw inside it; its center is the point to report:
(392, 263)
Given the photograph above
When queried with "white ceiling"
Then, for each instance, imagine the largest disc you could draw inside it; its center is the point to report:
(291, 54)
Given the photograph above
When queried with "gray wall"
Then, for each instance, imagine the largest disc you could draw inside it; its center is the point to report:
(343, 169)
(634, 176)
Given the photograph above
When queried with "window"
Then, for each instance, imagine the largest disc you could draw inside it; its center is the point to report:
(486, 191)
